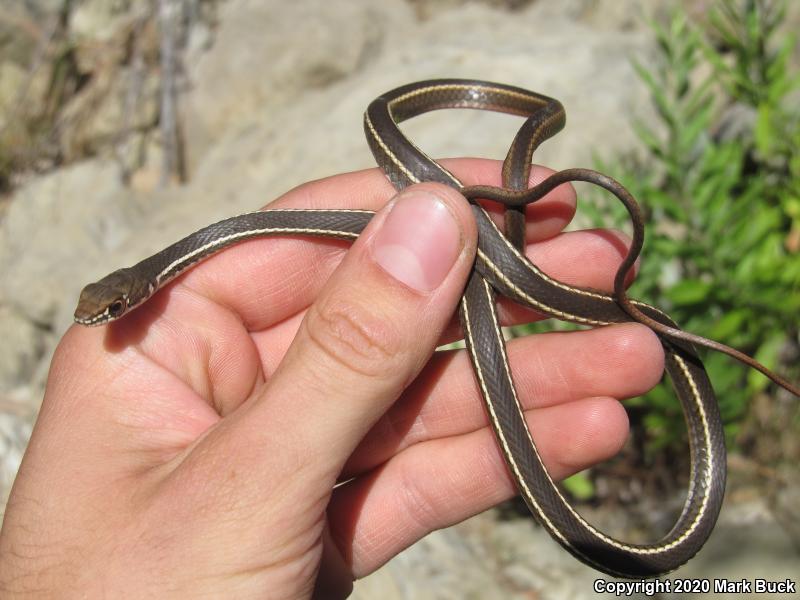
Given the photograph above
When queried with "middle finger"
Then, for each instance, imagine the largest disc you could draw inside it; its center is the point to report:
(619, 361)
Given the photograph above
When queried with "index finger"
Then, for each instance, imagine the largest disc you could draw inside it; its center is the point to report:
(266, 281)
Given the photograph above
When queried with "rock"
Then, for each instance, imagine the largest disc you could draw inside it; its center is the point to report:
(535, 53)
(786, 505)
(267, 55)
(117, 101)
(268, 150)
(66, 93)
(101, 20)
(120, 94)
(613, 15)
(516, 559)
(55, 227)
(15, 432)
(21, 28)
(12, 80)
(748, 543)
(21, 350)
(24, 80)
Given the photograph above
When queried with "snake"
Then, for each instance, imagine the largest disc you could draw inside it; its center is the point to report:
(500, 267)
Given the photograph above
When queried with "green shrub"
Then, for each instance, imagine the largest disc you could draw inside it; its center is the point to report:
(720, 187)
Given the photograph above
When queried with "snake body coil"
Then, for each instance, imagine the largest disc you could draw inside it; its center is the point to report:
(500, 267)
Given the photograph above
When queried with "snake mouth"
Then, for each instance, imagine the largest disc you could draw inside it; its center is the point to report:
(91, 320)
(91, 314)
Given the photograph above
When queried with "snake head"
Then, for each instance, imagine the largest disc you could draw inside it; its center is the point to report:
(110, 298)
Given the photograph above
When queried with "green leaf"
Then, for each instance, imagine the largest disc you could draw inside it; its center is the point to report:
(580, 486)
(764, 132)
(649, 138)
(767, 355)
(689, 291)
(730, 324)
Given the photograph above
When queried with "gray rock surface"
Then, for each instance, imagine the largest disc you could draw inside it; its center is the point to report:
(487, 558)
(274, 96)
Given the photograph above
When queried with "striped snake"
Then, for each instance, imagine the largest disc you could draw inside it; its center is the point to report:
(500, 267)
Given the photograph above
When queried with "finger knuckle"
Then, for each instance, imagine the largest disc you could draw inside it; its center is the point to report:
(422, 507)
(635, 343)
(356, 338)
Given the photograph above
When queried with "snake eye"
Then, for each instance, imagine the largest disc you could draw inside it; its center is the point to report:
(116, 308)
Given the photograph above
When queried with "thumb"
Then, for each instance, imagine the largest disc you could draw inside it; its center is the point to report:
(372, 328)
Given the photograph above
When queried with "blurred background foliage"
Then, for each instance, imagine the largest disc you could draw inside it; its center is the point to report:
(719, 182)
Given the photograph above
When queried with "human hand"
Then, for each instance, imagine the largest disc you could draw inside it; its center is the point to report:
(192, 448)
